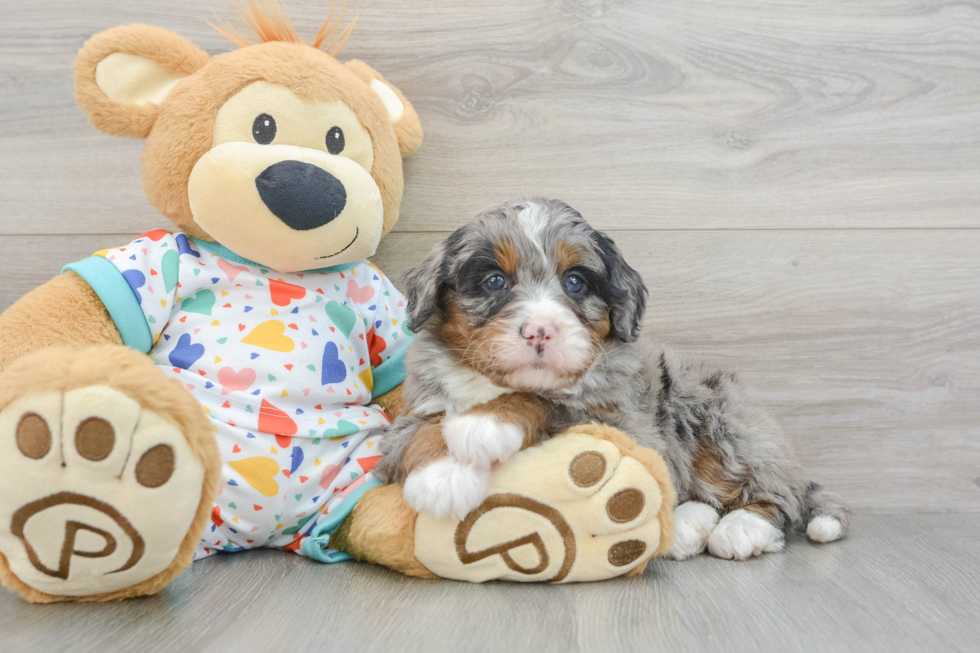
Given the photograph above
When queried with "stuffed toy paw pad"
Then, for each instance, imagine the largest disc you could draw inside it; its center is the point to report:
(98, 493)
(588, 505)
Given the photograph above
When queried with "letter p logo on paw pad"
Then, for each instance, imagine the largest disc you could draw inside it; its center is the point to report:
(96, 493)
(575, 508)
(44, 519)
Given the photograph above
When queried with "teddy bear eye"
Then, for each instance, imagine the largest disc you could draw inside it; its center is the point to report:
(264, 129)
(335, 140)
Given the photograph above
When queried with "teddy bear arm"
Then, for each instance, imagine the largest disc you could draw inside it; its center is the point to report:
(615, 516)
(63, 312)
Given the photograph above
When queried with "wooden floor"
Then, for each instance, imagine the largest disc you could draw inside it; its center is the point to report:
(798, 182)
(898, 583)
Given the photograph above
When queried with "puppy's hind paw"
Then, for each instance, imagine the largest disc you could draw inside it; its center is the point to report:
(447, 488)
(824, 528)
(693, 524)
(741, 535)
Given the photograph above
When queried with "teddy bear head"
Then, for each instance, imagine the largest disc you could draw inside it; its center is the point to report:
(276, 150)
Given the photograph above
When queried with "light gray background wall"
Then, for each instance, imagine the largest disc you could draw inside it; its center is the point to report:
(798, 182)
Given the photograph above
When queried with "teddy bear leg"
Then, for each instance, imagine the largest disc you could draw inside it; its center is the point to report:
(590, 504)
(108, 471)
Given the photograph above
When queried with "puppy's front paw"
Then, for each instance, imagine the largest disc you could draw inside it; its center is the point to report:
(447, 488)
(741, 535)
(481, 439)
(693, 523)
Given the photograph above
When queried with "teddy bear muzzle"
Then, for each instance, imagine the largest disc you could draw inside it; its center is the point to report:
(286, 207)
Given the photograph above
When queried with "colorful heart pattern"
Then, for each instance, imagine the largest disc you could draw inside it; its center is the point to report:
(232, 381)
(343, 317)
(201, 303)
(274, 421)
(186, 353)
(269, 335)
(283, 293)
(230, 269)
(333, 369)
(260, 473)
(283, 365)
(360, 294)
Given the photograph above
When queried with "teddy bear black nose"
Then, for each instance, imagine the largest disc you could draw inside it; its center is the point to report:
(302, 195)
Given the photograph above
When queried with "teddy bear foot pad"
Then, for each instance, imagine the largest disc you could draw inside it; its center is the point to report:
(576, 508)
(97, 494)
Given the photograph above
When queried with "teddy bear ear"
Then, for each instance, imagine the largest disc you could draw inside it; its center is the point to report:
(400, 111)
(123, 74)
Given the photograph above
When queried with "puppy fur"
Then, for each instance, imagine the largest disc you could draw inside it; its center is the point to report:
(499, 366)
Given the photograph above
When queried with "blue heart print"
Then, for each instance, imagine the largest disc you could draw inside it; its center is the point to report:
(185, 353)
(333, 369)
(135, 279)
(297, 460)
(185, 247)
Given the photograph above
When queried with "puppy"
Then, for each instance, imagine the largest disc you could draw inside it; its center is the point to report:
(527, 322)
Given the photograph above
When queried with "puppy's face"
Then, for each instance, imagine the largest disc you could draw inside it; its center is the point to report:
(527, 294)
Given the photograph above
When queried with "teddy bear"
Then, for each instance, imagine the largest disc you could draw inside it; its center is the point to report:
(224, 385)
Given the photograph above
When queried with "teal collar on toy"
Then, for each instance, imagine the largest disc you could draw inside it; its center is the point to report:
(220, 250)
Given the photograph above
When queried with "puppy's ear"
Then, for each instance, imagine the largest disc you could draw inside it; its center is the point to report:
(424, 285)
(627, 293)
(401, 113)
(123, 74)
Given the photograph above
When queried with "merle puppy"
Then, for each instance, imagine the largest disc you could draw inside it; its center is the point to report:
(528, 322)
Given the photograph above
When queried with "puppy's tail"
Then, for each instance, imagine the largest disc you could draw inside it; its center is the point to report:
(827, 514)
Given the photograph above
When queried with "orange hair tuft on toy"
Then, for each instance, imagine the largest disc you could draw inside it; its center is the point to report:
(270, 22)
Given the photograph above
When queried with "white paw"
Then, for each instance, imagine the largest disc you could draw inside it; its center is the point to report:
(741, 535)
(481, 439)
(96, 494)
(824, 529)
(447, 488)
(693, 523)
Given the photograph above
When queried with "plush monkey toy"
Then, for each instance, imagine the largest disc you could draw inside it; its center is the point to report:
(224, 386)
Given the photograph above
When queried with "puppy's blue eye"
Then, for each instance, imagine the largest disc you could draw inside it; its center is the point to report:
(574, 284)
(496, 282)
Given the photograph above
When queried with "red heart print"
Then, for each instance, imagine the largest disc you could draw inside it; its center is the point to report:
(273, 420)
(155, 235)
(282, 292)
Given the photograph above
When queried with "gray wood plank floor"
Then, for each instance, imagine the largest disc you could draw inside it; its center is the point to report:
(896, 583)
(799, 184)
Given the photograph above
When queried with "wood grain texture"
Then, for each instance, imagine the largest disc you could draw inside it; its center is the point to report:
(896, 583)
(864, 344)
(799, 184)
(670, 115)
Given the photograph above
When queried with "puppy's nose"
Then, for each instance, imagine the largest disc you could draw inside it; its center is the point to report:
(302, 195)
(538, 333)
